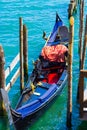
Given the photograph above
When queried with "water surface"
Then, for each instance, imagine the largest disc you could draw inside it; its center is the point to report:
(38, 15)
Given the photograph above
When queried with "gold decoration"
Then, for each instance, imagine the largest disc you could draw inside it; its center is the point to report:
(71, 20)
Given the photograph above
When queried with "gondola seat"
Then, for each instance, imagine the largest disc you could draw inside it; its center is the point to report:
(50, 92)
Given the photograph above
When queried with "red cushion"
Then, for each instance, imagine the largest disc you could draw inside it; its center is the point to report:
(53, 78)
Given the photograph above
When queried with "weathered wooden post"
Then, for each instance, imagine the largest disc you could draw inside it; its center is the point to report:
(2, 72)
(84, 45)
(83, 11)
(25, 52)
(70, 11)
(4, 101)
(2, 80)
(21, 55)
(81, 32)
(81, 52)
(72, 8)
(70, 55)
(81, 90)
(83, 58)
(80, 38)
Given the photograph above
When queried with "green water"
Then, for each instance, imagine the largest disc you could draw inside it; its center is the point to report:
(39, 15)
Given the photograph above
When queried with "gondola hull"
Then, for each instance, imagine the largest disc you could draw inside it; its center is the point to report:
(30, 117)
(40, 92)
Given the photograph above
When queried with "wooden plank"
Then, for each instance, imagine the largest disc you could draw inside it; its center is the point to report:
(85, 94)
(85, 104)
(13, 79)
(81, 94)
(12, 65)
(85, 100)
(84, 72)
(84, 118)
(7, 72)
(85, 109)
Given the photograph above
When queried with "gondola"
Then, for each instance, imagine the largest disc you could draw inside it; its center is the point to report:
(41, 90)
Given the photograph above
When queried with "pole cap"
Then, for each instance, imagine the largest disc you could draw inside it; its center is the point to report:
(71, 20)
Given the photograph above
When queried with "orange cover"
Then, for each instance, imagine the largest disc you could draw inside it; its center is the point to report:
(54, 53)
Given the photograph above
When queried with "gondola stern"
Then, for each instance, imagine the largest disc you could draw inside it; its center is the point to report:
(15, 115)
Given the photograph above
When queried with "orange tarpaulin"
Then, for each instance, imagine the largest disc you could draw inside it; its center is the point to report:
(54, 53)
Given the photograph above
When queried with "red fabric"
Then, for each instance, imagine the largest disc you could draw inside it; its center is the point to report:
(54, 53)
(53, 78)
(44, 80)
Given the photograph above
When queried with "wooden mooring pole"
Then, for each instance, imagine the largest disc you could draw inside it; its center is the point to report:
(81, 51)
(84, 45)
(25, 51)
(21, 55)
(83, 59)
(2, 80)
(72, 8)
(70, 55)
(81, 32)
(4, 101)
